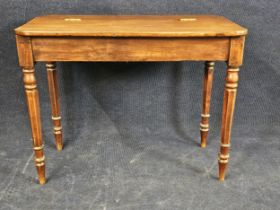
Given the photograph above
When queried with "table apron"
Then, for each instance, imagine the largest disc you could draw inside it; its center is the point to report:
(130, 49)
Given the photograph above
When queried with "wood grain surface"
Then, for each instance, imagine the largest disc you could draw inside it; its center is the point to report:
(129, 49)
(131, 26)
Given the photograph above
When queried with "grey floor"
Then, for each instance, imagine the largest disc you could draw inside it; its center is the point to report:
(131, 134)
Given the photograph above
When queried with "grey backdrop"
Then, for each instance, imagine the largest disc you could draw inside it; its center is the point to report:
(131, 130)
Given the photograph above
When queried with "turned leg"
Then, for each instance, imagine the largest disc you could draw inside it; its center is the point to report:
(53, 91)
(34, 114)
(207, 87)
(227, 117)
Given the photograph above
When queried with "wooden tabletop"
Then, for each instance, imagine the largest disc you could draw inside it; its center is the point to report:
(131, 26)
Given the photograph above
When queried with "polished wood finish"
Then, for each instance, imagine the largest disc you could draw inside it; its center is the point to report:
(231, 84)
(32, 96)
(227, 117)
(129, 49)
(54, 98)
(130, 38)
(132, 26)
(236, 51)
(207, 88)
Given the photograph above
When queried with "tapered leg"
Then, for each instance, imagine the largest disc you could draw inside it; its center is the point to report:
(227, 117)
(207, 88)
(54, 98)
(32, 97)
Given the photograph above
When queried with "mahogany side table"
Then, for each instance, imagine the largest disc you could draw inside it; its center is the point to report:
(129, 38)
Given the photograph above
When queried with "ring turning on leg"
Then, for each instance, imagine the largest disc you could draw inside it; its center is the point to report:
(207, 88)
(34, 114)
(227, 117)
(54, 98)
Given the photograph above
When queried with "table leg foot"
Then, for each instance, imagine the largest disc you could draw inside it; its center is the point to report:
(222, 170)
(59, 144)
(41, 174)
(203, 136)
